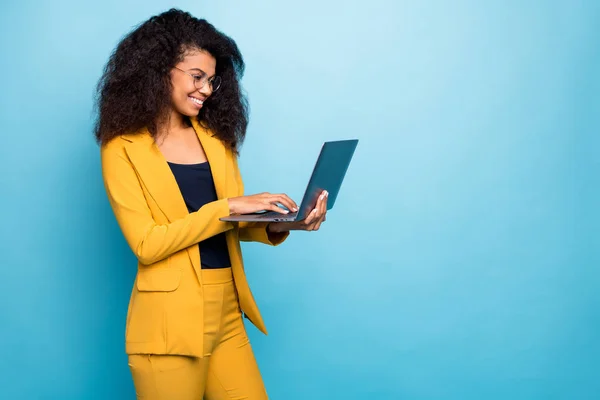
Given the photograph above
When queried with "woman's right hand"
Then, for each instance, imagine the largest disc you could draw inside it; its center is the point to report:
(261, 202)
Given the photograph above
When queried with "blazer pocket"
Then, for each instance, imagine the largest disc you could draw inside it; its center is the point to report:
(158, 280)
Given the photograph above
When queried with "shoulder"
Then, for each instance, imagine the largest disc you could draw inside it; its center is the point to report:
(119, 143)
(116, 146)
(115, 151)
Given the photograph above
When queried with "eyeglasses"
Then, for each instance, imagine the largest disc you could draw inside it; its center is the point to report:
(200, 80)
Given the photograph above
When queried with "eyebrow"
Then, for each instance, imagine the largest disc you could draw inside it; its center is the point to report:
(198, 69)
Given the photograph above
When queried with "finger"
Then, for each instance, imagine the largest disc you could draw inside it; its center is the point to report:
(276, 208)
(272, 206)
(324, 207)
(322, 204)
(323, 217)
(287, 202)
(322, 211)
(315, 214)
(282, 199)
(319, 221)
(272, 202)
(313, 217)
(310, 218)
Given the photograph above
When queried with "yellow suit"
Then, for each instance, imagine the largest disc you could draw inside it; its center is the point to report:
(165, 314)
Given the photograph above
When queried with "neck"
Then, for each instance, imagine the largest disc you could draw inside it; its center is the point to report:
(174, 124)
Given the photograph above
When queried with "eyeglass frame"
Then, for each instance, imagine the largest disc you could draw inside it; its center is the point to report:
(204, 80)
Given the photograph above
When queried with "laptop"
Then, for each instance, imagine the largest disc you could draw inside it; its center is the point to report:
(328, 174)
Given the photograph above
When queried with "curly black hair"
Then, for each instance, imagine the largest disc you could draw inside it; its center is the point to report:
(134, 90)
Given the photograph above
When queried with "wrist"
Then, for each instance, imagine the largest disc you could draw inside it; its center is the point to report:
(275, 227)
(280, 227)
(231, 207)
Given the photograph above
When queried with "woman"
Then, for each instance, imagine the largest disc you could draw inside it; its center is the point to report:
(171, 120)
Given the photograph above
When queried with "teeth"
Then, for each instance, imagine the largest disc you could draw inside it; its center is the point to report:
(197, 101)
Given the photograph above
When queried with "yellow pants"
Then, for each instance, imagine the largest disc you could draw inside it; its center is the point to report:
(227, 372)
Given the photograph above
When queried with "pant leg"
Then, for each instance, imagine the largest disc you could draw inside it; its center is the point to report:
(176, 377)
(168, 377)
(233, 373)
(228, 369)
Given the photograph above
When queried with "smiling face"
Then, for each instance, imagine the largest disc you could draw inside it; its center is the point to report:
(197, 67)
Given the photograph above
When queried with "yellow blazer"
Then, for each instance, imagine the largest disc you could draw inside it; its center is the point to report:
(165, 314)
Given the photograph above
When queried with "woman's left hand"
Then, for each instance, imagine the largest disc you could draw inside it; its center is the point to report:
(311, 223)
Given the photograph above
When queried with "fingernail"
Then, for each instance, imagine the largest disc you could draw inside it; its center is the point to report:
(326, 193)
(321, 197)
(295, 209)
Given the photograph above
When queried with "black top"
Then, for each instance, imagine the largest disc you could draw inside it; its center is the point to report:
(197, 187)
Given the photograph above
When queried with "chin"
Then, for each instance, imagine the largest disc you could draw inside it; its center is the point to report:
(189, 112)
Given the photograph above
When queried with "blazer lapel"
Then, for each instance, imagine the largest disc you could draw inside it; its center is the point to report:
(160, 182)
(217, 157)
(156, 175)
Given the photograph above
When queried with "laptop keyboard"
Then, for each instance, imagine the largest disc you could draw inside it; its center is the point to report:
(273, 214)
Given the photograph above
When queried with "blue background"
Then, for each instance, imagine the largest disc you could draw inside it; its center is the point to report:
(460, 262)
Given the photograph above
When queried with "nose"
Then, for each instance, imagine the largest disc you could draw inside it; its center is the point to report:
(205, 90)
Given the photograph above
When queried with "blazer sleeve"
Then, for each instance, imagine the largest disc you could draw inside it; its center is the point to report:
(256, 231)
(152, 242)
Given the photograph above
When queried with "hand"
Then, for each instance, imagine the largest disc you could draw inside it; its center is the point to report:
(311, 223)
(261, 202)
